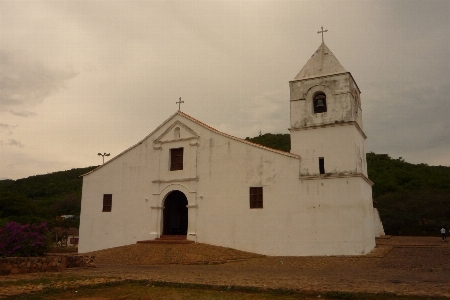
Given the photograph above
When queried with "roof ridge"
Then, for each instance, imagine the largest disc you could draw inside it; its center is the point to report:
(236, 138)
(129, 148)
(179, 112)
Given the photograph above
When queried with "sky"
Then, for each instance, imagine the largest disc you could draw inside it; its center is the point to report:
(82, 77)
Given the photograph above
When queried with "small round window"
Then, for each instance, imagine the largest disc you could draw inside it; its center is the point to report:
(320, 103)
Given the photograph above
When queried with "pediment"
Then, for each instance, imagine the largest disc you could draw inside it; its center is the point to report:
(178, 131)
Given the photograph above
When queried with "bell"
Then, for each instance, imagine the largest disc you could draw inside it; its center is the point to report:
(320, 103)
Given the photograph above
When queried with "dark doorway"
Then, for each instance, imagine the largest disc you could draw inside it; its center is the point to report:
(175, 214)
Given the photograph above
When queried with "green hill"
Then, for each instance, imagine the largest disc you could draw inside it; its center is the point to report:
(412, 199)
(42, 197)
(278, 141)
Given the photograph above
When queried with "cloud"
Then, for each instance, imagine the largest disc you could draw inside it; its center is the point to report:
(25, 83)
(6, 128)
(23, 113)
(12, 142)
(267, 112)
(409, 118)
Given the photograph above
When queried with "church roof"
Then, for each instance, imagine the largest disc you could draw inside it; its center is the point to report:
(180, 113)
(236, 138)
(322, 62)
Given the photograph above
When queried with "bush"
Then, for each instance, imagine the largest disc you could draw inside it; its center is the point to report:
(24, 240)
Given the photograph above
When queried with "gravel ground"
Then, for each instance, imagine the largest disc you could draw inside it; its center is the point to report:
(164, 254)
(400, 265)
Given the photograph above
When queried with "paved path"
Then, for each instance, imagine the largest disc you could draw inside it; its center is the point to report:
(401, 265)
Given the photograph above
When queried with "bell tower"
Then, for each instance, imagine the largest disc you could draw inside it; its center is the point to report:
(326, 119)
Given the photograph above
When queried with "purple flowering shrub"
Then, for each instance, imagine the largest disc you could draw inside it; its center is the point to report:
(24, 240)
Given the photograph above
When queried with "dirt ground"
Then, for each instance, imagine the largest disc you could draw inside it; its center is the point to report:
(400, 265)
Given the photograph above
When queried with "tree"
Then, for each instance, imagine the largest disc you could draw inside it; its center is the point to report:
(24, 240)
(279, 141)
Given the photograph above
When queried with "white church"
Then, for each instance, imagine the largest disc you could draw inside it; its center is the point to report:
(187, 178)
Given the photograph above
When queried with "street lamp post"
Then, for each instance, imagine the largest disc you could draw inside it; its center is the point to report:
(103, 155)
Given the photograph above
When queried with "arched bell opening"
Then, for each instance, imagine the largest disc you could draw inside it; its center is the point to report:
(175, 214)
(320, 103)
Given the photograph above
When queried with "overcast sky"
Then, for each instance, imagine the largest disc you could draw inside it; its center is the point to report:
(82, 77)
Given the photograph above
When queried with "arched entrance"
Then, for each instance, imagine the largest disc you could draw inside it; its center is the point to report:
(175, 214)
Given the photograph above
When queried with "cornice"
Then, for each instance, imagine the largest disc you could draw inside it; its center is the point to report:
(328, 75)
(345, 123)
(334, 176)
(175, 180)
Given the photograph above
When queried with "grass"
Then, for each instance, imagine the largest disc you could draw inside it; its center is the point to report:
(142, 289)
(148, 290)
(42, 281)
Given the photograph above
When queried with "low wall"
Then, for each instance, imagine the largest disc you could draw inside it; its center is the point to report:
(80, 261)
(50, 263)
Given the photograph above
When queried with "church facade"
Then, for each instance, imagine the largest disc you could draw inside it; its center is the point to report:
(186, 178)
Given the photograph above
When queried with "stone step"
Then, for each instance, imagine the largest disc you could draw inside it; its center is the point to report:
(171, 237)
(168, 239)
(165, 242)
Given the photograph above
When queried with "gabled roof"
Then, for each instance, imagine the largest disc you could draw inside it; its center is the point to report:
(236, 138)
(180, 113)
(68, 231)
(322, 62)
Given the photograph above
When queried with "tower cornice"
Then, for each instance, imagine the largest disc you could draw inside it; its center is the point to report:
(331, 125)
(327, 75)
(334, 176)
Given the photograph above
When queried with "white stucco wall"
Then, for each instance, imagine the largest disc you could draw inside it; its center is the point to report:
(341, 146)
(335, 135)
(127, 179)
(300, 217)
(378, 225)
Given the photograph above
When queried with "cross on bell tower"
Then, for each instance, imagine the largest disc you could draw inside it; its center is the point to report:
(322, 31)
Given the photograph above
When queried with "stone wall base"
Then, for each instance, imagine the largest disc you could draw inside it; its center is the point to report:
(49, 263)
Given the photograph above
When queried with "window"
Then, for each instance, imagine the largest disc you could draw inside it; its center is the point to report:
(107, 202)
(321, 165)
(176, 159)
(256, 197)
(320, 103)
(74, 241)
